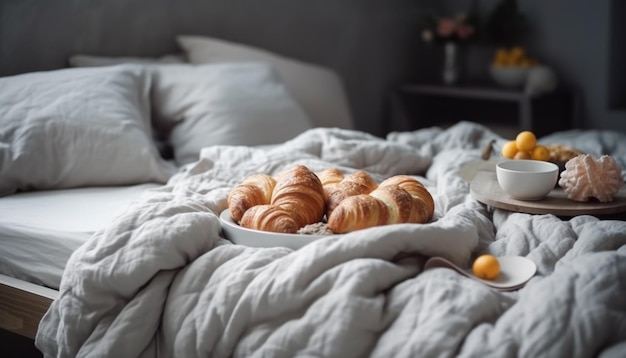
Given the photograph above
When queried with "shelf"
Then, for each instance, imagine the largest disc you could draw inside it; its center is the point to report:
(421, 105)
(467, 91)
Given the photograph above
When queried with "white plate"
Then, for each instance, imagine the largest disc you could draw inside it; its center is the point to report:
(255, 238)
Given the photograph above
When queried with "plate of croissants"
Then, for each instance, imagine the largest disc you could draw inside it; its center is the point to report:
(299, 206)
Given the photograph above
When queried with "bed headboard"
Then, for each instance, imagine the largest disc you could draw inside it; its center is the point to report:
(371, 44)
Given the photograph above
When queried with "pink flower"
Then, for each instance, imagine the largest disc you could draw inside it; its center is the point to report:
(446, 27)
(457, 28)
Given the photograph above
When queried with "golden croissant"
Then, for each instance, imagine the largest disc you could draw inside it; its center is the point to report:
(354, 184)
(330, 178)
(425, 202)
(299, 191)
(269, 218)
(291, 200)
(254, 190)
(396, 200)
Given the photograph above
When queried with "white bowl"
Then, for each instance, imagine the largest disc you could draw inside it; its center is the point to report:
(255, 238)
(509, 76)
(527, 179)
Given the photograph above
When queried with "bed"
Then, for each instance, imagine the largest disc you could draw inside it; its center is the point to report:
(129, 153)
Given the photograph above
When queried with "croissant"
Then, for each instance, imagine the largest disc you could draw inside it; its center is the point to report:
(425, 202)
(398, 200)
(254, 190)
(299, 191)
(330, 179)
(354, 184)
(269, 218)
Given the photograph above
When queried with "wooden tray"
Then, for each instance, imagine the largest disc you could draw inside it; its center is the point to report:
(485, 188)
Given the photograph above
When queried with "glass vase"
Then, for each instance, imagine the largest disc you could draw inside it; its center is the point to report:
(450, 63)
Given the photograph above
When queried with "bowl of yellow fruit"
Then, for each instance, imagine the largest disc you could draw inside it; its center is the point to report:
(510, 67)
(526, 173)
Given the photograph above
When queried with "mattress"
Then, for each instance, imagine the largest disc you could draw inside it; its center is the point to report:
(40, 230)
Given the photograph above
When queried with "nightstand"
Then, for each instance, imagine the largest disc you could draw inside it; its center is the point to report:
(416, 106)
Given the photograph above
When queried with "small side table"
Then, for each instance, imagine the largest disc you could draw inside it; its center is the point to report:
(542, 114)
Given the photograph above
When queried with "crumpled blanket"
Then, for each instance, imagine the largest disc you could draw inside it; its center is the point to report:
(163, 281)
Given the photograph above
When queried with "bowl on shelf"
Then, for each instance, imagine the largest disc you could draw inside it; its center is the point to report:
(527, 179)
(509, 76)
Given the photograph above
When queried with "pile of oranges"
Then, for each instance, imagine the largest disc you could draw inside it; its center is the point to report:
(525, 147)
(513, 57)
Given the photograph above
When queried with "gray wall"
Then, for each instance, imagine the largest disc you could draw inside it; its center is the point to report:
(372, 44)
(574, 37)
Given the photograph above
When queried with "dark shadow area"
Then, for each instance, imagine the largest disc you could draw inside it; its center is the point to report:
(16, 346)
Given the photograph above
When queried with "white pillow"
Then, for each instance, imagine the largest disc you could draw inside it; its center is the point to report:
(224, 104)
(93, 61)
(319, 90)
(77, 127)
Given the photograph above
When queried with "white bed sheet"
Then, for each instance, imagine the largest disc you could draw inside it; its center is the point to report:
(40, 230)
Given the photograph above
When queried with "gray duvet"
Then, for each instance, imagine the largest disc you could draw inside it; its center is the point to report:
(163, 281)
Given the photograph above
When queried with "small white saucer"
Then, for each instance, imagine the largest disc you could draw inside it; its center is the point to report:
(515, 271)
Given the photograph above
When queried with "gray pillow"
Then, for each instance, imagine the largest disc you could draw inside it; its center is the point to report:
(319, 90)
(77, 127)
(223, 104)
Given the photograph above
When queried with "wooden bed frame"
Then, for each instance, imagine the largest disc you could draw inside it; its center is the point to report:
(371, 44)
(22, 304)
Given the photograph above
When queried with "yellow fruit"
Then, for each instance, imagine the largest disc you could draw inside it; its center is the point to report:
(501, 56)
(509, 149)
(522, 155)
(513, 57)
(526, 141)
(501, 53)
(540, 152)
(486, 267)
(517, 51)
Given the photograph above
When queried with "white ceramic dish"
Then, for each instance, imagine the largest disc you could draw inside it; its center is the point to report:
(515, 271)
(527, 179)
(255, 238)
(509, 77)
